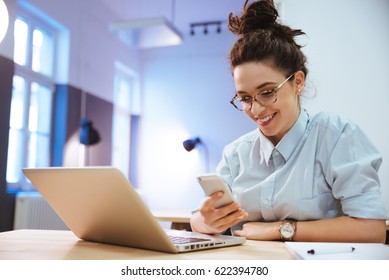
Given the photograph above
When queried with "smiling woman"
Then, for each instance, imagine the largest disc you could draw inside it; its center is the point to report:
(298, 177)
(276, 117)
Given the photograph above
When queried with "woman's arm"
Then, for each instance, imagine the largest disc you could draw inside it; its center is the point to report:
(341, 229)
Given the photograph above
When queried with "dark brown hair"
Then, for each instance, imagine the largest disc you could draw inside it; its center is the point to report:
(262, 38)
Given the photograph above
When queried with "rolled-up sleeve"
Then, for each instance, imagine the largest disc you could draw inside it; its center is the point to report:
(353, 174)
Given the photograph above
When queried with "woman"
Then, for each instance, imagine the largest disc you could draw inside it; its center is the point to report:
(299, 177)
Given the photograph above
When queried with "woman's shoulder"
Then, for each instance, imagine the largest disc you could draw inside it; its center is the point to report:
(247, 138)
(331, 127)
(331, 121)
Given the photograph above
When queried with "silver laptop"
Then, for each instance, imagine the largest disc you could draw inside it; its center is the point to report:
(99, 204)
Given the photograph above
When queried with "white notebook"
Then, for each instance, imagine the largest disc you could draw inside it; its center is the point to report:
(338, 251)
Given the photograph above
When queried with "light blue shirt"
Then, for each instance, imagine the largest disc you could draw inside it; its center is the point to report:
(324, 167)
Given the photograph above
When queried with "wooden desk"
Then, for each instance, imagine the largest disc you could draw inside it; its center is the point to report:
(59, 245)
(180, 219)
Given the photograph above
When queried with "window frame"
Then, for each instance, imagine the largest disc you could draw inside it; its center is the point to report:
(30, 76)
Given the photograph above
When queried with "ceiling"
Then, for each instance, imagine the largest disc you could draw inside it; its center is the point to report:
(180, 12)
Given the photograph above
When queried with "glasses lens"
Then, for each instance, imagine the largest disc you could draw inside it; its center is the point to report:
(239, 104)
(266, 98)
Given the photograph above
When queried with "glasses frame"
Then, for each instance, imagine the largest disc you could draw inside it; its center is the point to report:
(254, 98)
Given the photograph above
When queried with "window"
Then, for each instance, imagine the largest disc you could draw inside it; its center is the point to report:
(34, 47)
(123, 131)
(121, 124)
(32, 98)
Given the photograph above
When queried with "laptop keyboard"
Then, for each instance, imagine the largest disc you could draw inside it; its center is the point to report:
(184, 239)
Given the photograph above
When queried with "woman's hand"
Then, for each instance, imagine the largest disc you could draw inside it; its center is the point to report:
(212, 220)
(259, 231)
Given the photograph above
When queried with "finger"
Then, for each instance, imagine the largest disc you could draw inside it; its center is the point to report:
(221, 216)
(230, 220)
(209, 201)
(229, 209)
(209, 213)
(225, 226)
(224, 217)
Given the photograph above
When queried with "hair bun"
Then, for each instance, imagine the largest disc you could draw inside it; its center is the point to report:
(258, 15)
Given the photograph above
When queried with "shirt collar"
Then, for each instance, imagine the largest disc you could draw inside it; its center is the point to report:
(289, 142)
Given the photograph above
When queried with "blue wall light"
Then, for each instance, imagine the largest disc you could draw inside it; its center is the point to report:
(190, 144)
(88, 134)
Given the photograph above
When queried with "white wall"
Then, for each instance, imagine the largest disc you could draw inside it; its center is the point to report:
(186, 94)
(187, 88)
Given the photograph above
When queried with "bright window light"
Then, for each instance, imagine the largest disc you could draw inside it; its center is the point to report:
(21, 39)
(42, 52)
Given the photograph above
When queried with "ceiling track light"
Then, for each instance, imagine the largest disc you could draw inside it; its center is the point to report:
(205, 26)
(205, 29)
(219, 28)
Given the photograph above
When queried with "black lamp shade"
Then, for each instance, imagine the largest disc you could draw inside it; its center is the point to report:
(190, 144)
(88, 134)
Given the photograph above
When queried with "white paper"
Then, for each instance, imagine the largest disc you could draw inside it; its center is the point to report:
(363, 251)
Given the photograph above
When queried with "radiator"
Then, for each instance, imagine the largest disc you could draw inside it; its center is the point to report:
(33, 212)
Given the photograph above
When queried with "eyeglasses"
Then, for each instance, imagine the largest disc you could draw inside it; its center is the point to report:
(264, 98)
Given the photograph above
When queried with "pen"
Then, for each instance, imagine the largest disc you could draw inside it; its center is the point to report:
(337, 250)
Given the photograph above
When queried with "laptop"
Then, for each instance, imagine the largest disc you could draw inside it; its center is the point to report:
(99, 204)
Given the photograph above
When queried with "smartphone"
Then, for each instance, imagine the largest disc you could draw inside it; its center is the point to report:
(212, 183)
